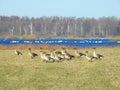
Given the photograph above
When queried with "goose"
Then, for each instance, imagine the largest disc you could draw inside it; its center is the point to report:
(18, 52)
(63, 51)
(42, 55)
(52, 55)
(56, 52)
(69, 56)
(66, 54)
(43, 51)
(57, 55)
(90, 58)
(62, 56)
(79, 54)
(99, 56)
(32, 54)
(47, 57)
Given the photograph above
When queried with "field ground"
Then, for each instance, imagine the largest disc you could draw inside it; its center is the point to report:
(23, 73)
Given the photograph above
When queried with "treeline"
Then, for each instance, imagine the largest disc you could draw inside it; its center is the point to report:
(60, 26)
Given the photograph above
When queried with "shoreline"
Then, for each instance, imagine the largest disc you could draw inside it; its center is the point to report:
(45, 47)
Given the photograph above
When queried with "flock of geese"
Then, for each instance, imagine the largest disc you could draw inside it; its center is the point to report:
(59, 56)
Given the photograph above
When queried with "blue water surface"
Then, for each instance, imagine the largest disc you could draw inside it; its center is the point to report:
(85, 42)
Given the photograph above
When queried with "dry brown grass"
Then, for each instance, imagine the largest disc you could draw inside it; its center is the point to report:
(43, 46)
(36, 47)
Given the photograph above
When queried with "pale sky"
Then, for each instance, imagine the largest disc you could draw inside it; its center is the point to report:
(78, 8)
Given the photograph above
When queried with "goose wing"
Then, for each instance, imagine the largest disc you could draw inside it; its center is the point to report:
(19, 53)
(34, 54)
(99, 56)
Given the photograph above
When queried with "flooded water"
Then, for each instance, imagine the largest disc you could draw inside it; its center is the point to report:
(86, 42)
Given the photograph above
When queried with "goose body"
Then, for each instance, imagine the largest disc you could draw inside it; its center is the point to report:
(57, 58)
(61, 56)
(32, 54)
(90, 58)
(99, 56)
(52, 55)
(48, 58)
(69, 56)
(58, 52)
(79, 54)
(63, 52)
(18, 52)
(57, 55)
(41, 55)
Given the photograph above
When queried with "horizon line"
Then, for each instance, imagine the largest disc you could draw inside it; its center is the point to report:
(59, 16)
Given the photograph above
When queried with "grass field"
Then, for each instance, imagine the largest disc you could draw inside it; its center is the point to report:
(23, 73)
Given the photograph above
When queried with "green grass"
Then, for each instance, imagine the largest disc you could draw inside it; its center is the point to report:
(23, 73)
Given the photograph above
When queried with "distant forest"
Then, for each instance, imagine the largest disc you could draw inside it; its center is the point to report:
(60, 26)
